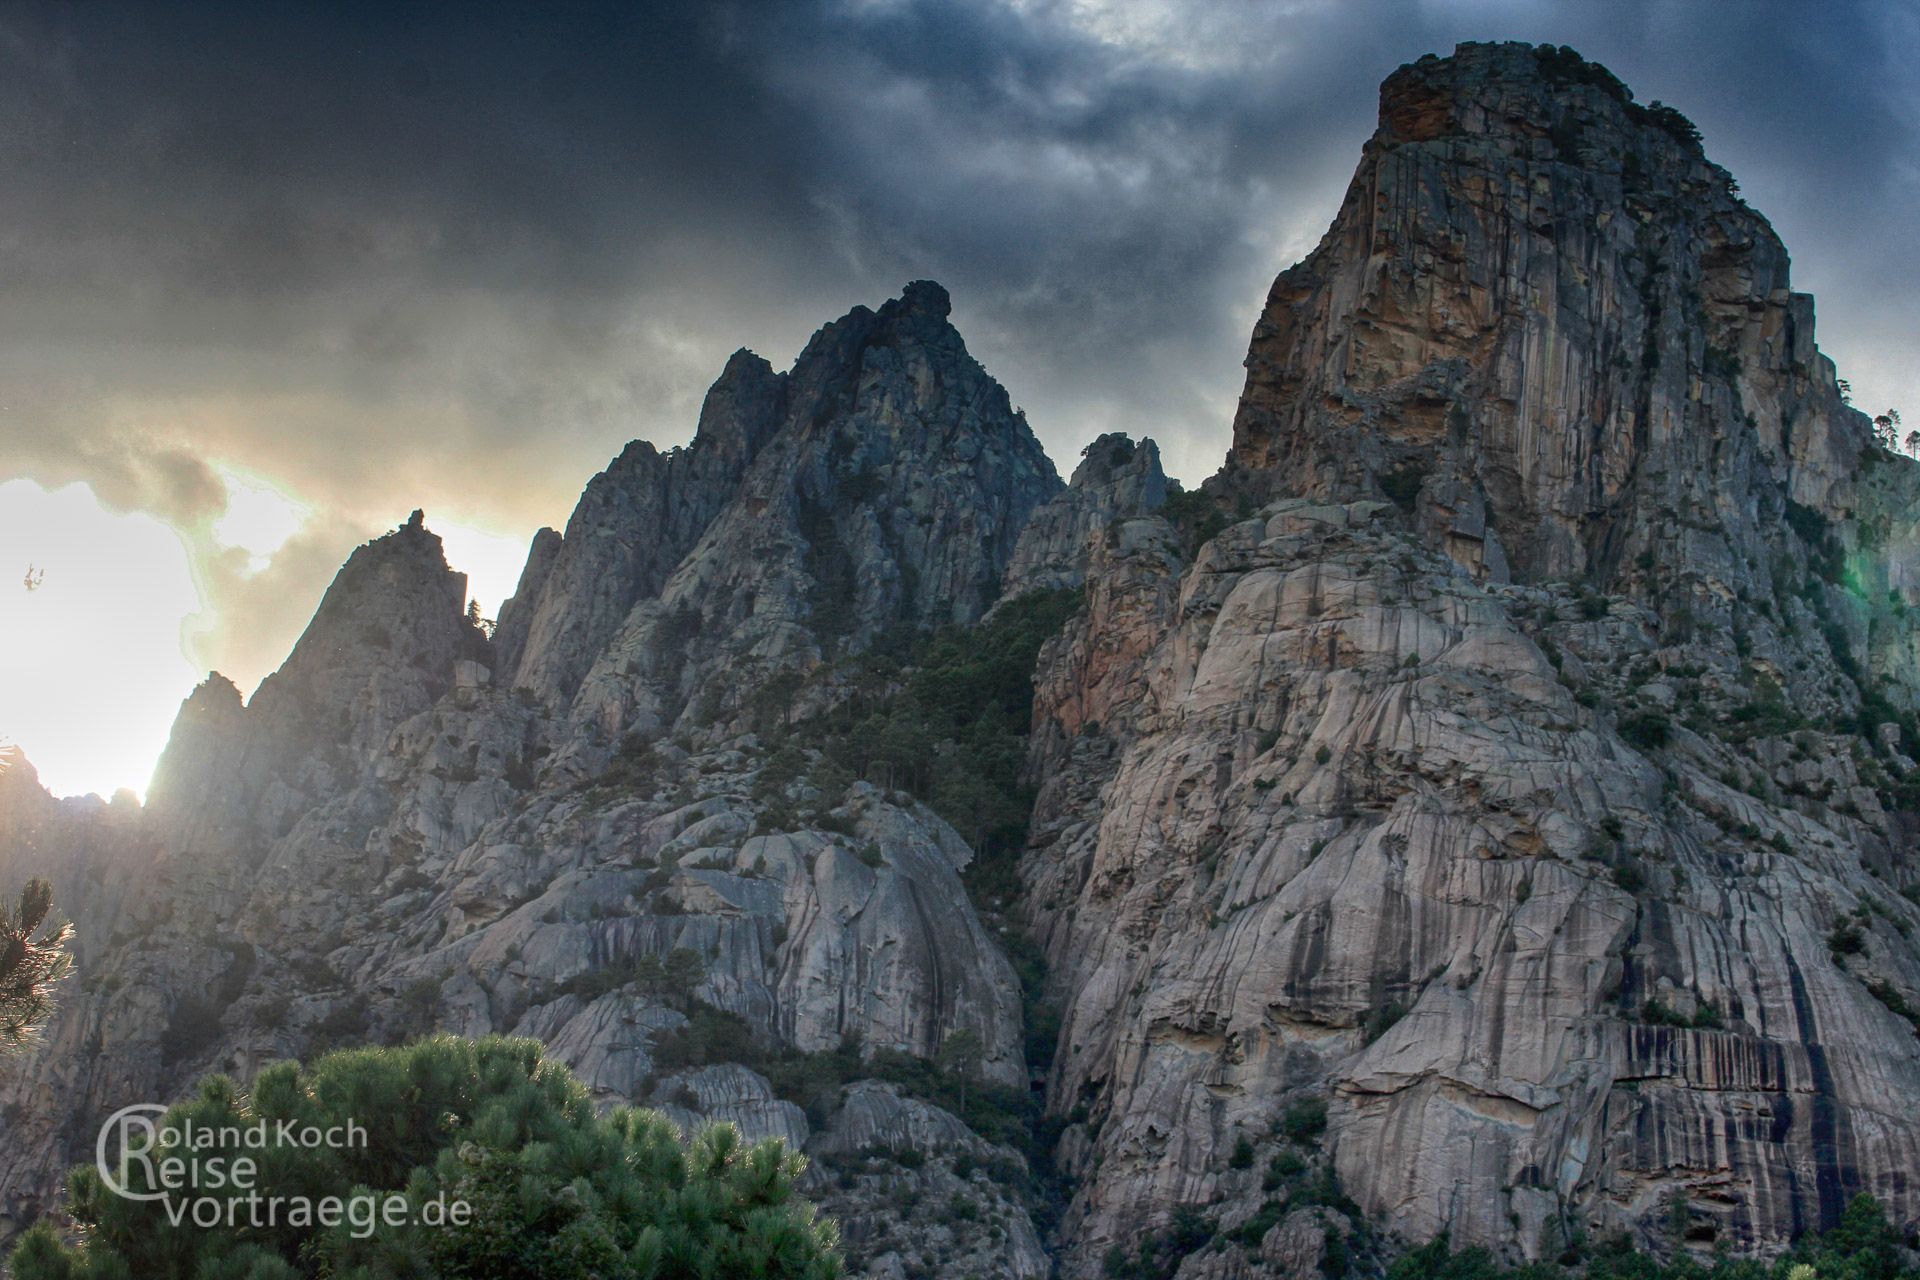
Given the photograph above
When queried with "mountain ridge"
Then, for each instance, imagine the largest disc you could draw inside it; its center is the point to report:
(1448, 819)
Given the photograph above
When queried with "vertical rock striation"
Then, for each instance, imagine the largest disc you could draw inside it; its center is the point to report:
(1516, 780)
(1545, 321)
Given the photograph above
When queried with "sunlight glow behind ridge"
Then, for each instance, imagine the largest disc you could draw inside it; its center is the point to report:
(94, 661)
(91, 666)
(491, 561)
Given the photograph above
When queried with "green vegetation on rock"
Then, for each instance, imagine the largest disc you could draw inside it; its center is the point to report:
(1863, 1246)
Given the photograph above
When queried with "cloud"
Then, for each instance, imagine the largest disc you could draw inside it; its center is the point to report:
(401, 256)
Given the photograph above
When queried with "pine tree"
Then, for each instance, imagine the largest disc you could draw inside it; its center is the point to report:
(553, 1190)
(682, 972)
(961, 1054)
(29, 965)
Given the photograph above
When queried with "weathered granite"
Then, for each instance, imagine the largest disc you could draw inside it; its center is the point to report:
(1509, 777)
(1116, 481)
(1511, 749)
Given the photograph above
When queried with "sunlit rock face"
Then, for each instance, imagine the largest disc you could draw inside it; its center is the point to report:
(1512, 773)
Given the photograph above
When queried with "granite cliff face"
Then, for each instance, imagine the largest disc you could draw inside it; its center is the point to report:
(1487, 806)
(1514, 773)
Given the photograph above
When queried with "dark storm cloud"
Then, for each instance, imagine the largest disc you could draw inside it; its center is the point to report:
(455, 255)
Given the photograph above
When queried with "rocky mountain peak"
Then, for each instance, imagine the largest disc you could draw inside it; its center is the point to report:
(922, 309)
(1548, 328)
(1521, 93)
(215, 706)
(1116, 481)
(204, 748)
(405, 807)
(16, 771)
(891, 492)
(394, 603)
(216, 697)
(1488, 811)
(1559, 569)
(876, 407)
(741, 410)
(380, 648)
(1114, 456)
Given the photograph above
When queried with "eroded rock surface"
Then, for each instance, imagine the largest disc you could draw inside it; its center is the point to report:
(1116, 481)
(1515, 778)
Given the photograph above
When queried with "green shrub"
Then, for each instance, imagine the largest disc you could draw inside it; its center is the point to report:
(1629, 876)
(1846, 940)
(1862, 1247)
(1647, 730)
(680, 972)
(949, 726)
(191, 1031)
(421, 998)
(999, 1113)
(1264, 1219)
(1813, 528)
(1382, 1019)
(1305, 1120)
(1196, 516)
(1282, 1169)
(1668, 120)
(1160, 1253)
(1657, 1013)
(636, 768)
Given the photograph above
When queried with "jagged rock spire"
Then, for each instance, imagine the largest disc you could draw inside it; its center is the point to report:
(1116, 480)
(883, 479)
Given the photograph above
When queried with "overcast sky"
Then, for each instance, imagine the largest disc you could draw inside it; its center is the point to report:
(277, 274)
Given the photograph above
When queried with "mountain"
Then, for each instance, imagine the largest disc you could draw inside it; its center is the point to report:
(1522, 772)
(1486, 807)
(415, 826)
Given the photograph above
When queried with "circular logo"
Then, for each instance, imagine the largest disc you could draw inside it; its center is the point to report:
(138, 1131)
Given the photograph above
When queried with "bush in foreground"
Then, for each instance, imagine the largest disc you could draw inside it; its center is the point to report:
(552, 1191)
